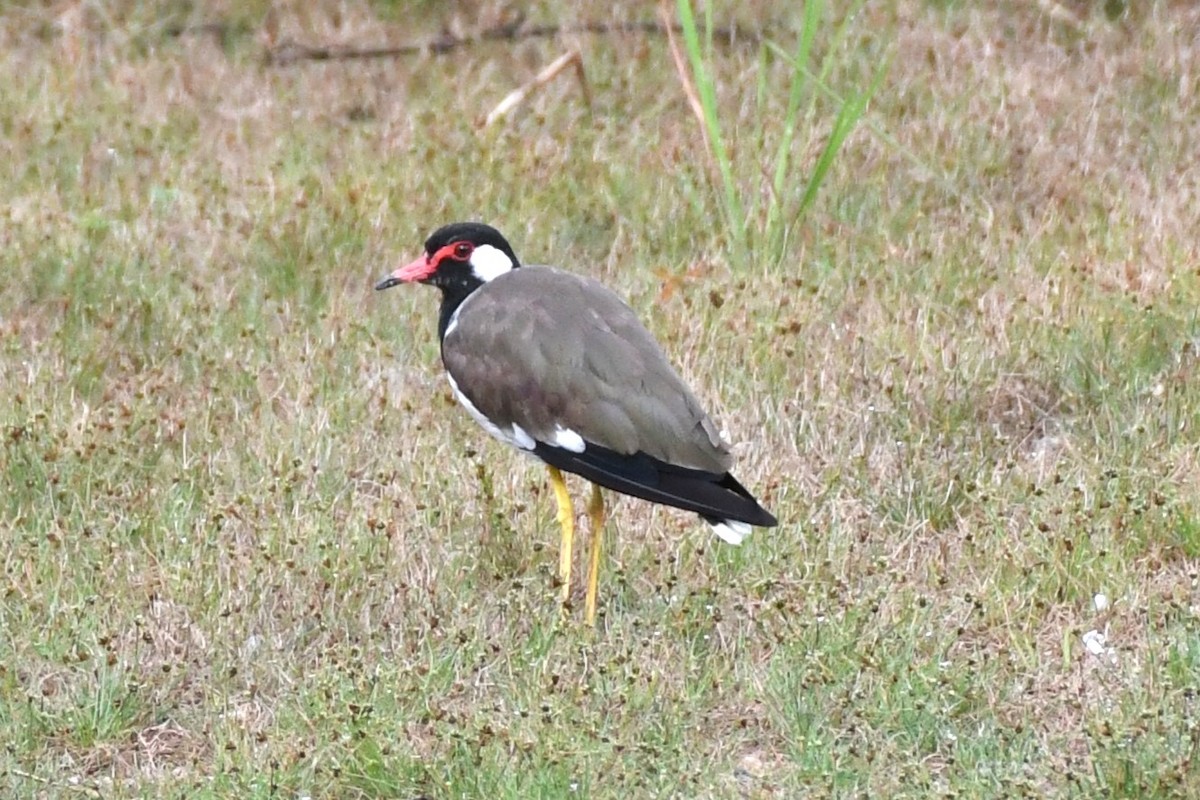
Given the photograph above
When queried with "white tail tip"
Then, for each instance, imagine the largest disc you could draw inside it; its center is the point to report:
(732, 531)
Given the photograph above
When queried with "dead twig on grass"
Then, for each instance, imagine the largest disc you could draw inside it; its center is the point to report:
(290, 52)
(552, 71)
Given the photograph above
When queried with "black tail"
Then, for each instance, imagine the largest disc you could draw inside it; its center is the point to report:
(712, 495)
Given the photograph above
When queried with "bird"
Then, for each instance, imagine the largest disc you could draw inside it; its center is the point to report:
(557, 365)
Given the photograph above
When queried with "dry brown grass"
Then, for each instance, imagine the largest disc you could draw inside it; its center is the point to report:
(252, 549)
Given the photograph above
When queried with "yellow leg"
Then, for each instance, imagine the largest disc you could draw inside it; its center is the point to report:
(566, 519)
(596, 513)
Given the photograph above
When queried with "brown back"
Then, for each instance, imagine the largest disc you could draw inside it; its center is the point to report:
(542, 348)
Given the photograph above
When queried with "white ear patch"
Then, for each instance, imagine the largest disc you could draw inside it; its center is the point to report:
(488, 262)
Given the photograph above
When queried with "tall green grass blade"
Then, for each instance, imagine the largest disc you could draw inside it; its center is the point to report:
(847, 117)
(799, 83)
(768, 207)
(706, 88)
(878, 130)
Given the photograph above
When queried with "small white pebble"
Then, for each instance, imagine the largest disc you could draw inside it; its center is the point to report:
(1094, 642)
(1100, 601)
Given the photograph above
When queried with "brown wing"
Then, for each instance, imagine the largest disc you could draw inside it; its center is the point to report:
(547, 350)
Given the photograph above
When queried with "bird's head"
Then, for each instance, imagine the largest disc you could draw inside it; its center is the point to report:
(457, 256)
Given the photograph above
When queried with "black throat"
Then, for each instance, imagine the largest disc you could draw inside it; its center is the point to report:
(454, 292)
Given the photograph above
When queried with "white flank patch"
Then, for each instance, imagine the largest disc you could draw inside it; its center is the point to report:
(517, 437)
(732, 531)
(567, 439)
(523, 439)
(488, 262)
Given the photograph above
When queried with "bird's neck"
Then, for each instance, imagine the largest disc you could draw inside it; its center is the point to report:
(453, 295)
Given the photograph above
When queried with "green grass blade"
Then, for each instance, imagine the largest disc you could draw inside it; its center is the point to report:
(706, 87)
(848, 116)
(799, 83)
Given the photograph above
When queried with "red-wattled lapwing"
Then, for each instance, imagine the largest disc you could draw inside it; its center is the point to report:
(558, 366)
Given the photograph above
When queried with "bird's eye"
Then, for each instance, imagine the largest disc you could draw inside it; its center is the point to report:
(462, 250)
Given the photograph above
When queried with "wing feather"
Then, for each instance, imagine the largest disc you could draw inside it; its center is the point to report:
(544, 349)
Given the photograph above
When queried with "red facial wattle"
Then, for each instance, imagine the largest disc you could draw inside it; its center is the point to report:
(424, 266)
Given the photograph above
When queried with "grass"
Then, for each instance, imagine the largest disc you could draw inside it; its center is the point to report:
(252, 548)
(784, 204)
